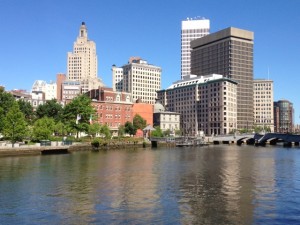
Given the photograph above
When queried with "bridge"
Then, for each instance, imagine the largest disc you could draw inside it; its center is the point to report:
(232, 138)
(220, 139)
(274, 138)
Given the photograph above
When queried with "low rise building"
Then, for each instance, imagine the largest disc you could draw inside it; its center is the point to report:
(35, 98)
(21, 95)
(145, 110)
(166, 120)
(112, 108)
(49, 89)
(70, 89)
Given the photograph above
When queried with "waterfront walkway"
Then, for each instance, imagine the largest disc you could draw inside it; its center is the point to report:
(32, 150)
(8, 150)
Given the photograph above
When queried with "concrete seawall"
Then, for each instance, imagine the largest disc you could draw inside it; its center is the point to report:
(39, 150)
(62, 149)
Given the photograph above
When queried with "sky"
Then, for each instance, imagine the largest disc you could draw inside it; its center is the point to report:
(37, 34)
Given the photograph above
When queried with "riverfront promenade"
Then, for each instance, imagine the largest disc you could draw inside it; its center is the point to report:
(57, 148)
(8, 150)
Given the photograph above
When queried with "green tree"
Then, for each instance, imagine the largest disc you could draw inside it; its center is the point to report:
(6, 102)
(14, 124)
(139, 122)
(60, 128)
(43, 128)
(258, 129)
(27, 109)
(157, 132)
(105, 131)
(77, 113)
(2, 116)
(94, 129)
(178, 132)
(130, 129)
(51, 109)
(121, 131)
(167, 132)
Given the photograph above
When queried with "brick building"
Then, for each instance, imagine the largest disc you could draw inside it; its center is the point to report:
(145, 110)
(112, 108)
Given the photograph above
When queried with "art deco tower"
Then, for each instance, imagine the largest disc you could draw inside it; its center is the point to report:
(82, 62)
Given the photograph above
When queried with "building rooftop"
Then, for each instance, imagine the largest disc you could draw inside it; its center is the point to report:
(194, 79)
(222, 34)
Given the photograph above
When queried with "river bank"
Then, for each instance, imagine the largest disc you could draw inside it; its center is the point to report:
(20, 150)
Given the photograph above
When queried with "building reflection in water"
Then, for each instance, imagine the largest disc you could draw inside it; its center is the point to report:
(264, 181)
(214, 191)
(224, 184)
(127, 186)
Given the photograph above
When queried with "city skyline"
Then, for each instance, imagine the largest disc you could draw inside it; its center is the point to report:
(38, 36)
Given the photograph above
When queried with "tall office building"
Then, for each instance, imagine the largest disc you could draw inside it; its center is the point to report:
(82, 62)
(191, 29)
(139, 78)
(228, 52)
(263, 104)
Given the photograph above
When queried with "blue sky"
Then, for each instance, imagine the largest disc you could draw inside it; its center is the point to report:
(37, 34)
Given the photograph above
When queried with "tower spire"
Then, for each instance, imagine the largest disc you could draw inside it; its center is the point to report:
(83, 31)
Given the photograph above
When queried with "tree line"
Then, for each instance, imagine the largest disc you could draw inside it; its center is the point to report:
(52, 121)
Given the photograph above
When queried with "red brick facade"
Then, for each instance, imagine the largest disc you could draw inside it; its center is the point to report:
(145, 110)
(116, 108)
(112, 108)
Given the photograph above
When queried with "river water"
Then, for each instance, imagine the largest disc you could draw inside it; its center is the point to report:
(204, 185)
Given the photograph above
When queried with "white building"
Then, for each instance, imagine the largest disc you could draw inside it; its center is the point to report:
(49, 89)
(70, 89)
(191, 29)
(37, 98)
(82, 62)
(263, 104)
(206, 103)
(166, 120)
(139, 78)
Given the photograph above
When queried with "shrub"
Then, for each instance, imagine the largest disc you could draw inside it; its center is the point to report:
(95, 143)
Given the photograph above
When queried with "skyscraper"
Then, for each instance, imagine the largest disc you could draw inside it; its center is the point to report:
(82, 62)
(191, 29)
(228, 52)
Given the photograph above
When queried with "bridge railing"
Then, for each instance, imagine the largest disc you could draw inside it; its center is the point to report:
(163, 139)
